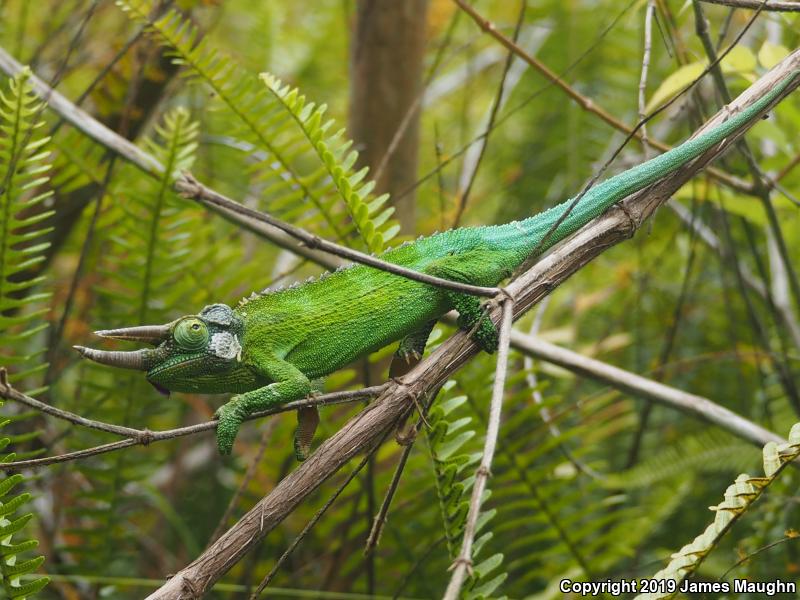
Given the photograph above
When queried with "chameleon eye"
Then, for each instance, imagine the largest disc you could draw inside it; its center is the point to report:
(191, 334)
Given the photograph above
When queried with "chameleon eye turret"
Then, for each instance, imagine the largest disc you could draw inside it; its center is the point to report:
(191, 334)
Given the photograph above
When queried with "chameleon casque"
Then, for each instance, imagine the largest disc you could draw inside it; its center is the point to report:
(267, 349)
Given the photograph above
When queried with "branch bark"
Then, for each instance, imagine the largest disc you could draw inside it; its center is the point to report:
(772, 5)
(366, 429)
(645, 388)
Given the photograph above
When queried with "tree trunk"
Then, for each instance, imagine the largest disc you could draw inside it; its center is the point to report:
(387, 50)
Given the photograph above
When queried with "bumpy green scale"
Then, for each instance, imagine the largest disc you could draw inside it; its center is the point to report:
(267, 349)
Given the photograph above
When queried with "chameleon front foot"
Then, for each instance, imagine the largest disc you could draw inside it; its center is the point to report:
(230, 415)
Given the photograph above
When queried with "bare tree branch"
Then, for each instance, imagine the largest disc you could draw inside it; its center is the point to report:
(773, 5)
(585, 103)
(646, 388)
(463, 564)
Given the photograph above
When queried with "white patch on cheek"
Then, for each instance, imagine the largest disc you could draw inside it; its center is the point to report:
(226, 345)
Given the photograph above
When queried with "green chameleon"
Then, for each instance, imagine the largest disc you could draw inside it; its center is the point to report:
(270, 347)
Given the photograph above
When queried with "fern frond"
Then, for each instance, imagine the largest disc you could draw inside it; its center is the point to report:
(140, 271)
(739, 497)
(23, 172)
(11, 568)
(554, 517)
(335, 154)
(446, 440)
(707, 450)
(277, 122)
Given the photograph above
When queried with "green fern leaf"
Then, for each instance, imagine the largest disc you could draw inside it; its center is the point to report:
(334, 152)
(739, 497)
(140, 272)
(23, 171)
(287, 130)
(447, 439)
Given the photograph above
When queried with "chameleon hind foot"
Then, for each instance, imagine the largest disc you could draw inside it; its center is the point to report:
(410, 350)
(473, 317)
(475, 269)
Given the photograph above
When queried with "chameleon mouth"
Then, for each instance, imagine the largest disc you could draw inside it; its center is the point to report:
(159, 388)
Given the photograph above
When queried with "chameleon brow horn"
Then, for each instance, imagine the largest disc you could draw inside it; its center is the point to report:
(149, 334)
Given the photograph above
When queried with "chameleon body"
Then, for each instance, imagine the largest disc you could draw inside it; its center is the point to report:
(267, 349)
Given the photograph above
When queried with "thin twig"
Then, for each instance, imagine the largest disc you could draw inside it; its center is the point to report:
(749, 555)
(648, 44)
(586, 103)
(300, 536)
(710, 239)
(538, 399)
(379, 522)
(667, 347)
(88, 239)
(499, 100)
(768, 5)
(380, 518)
(266, 434)
(143, 437)
(9, 393)
(506, 117)
(463, 564)
(189, 187)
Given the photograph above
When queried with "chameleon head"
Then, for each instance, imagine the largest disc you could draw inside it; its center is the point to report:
(196, 353)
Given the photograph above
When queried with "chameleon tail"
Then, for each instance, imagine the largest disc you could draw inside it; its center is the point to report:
(527, 235)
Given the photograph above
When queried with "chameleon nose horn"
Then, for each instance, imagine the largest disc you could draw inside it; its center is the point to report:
(149, 334)
(126, 360)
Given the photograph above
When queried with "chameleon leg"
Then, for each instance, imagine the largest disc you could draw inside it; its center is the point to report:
(478, 270)
(410, 350)
(471, 313)
(290, 384)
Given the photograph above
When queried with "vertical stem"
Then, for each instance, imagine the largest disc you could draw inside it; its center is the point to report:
(463, 564)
